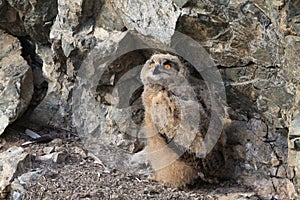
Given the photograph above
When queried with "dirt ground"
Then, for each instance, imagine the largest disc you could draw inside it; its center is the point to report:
(78, 176)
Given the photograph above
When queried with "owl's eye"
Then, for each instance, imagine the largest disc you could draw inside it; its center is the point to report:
(167, 66)
(151, 65)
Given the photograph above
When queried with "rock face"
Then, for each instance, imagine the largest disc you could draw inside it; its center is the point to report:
(16, 81)
(32, 18)
(255, 45)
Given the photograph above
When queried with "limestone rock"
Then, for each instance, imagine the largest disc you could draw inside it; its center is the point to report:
(65, 53)
(16, 82)
(156, 19)
(12, 162)
(70, 17)
(29, 17)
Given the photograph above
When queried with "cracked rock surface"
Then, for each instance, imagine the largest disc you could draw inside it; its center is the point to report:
(254, 44)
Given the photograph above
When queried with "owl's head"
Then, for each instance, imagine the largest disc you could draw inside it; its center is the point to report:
(162, 69)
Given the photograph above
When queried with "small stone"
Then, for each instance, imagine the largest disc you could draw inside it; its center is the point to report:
(59, 148)
(294, 130)
(60, 157)
(114, 196)
(43, 158)
(56, 141)
(295, 144)
(258, 127)
(56, 157)
(2, 143)
(80, 151)
(32, 134)
(291, 191)
(272, 171)
(30, 176)
(20, 184)
(290, 173)
(180, 3)
(278, 3)
(48, 150)
(17, 195)
(275, 162)
(96, 159)
(281, 172)
(40, 153)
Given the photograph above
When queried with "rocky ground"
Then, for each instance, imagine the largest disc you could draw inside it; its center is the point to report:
(77, 174)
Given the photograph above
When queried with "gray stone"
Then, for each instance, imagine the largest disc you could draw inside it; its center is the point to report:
(251, 160)
(156, 19)
(58, 68)
(32, 18)
(11, 20)
(20, 184)
(70, 17)
(54, 106)
(12, 162)
(48, 150)
(181, 3)
(16, 81)
(55, 157)
(56, 142)
(80, 151)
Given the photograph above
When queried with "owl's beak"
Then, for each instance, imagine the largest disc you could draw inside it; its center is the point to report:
(156, 70)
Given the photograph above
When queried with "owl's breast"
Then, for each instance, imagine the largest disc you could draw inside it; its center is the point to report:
(165, 113)
(176, 119)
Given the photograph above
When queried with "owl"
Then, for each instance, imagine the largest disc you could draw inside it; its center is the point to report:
(176, 119)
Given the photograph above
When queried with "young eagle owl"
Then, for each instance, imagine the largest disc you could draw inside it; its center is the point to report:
(175, 120)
